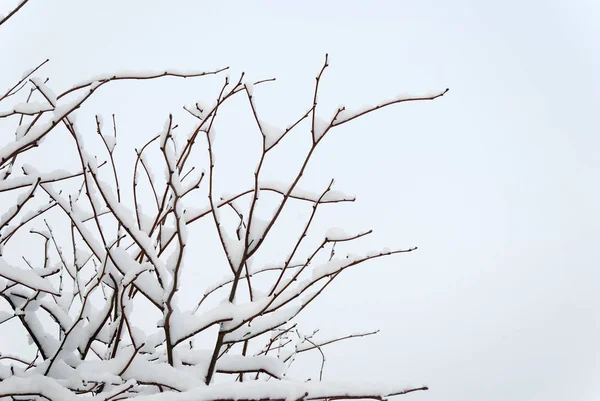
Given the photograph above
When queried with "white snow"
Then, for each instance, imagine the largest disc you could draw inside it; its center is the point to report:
(4, 316)
(74, 215)
(111, 142)
(185, 324)
(282, 187)
(105, 272)
(249, 87)
(263, 323)
(8, 215)
(27, 278)
(320, 128)
(46, 91)
(257, 231)
(336, 234)
(233, 363)
(38, 131)
(271, 133)
(27, 180)
(125, 216)
(50, 388)
(276, 390)
(134, 272)
(133, 74)
(330, 267)
(145, 282)
(234, 247)
(27, 109)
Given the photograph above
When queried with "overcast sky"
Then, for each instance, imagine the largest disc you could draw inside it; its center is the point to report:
(496, 182)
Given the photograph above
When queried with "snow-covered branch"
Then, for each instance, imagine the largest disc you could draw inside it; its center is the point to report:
(112, 256)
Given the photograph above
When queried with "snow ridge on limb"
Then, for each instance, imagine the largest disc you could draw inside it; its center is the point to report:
(140, 76)
(26, 278)
(27, 180)
(27, 109)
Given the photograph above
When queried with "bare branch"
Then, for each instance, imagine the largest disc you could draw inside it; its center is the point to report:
(13, 12)
(315, 99)
(323, 343)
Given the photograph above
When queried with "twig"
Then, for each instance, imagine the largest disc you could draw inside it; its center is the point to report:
(13, 12)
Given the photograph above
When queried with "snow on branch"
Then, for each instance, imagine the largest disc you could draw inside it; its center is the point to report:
(140, 76)
(101, 270)
(36, 133)
(26, 278)
(26, 109)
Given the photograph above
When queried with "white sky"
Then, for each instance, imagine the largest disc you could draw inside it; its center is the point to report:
(497, 182)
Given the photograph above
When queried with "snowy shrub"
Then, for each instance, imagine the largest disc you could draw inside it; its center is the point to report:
(97, 251)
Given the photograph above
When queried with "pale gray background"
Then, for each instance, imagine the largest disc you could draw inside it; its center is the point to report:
(497, 182)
